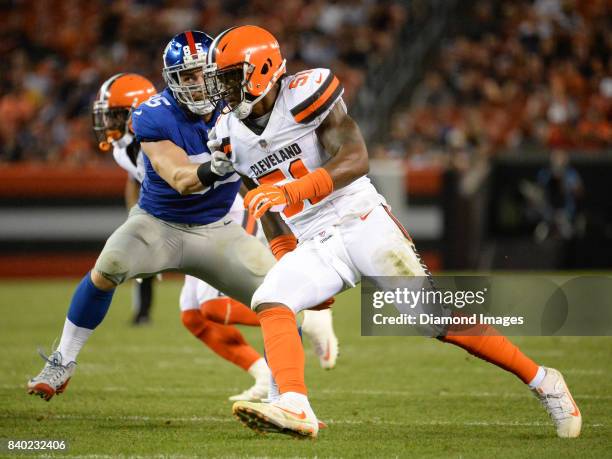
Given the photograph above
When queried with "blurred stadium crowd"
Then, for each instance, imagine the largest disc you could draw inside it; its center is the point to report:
(526, 73)
(522, 75)
(55, 54)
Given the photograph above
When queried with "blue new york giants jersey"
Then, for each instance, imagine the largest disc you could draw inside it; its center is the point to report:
(161, 118)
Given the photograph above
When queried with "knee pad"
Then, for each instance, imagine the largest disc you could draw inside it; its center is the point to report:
(254, 255)
(113, 265)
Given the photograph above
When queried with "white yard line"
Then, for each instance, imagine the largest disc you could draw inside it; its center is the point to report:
(229, 419)
(356, 392)
(130, 456)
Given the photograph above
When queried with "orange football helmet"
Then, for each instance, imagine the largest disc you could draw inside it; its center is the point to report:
(243, 64)
(112, 109)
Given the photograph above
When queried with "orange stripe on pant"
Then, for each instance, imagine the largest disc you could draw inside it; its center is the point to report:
(398, 224)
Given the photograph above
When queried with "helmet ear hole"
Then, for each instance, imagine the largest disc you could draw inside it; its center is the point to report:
(266, 67)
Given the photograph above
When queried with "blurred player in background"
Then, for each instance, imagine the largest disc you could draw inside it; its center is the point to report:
(292, 137)
(180, 223)
(117, 97)
(562, 188)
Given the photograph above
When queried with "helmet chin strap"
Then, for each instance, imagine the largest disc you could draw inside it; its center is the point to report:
(244, 108)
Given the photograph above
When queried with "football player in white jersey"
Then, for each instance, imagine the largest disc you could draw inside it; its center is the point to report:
(291, 138)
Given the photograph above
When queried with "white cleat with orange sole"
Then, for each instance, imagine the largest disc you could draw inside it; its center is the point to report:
(276, 418)
(558, 402)
(53, 378)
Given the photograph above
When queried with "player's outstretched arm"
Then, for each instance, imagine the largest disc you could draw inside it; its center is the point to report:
(172, 164)
(341, 137)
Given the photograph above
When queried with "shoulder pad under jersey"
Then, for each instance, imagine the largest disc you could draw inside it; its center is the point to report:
(311, 94)
(153, 120)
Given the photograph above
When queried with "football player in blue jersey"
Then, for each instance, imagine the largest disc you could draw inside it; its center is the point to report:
(181, 221)
(200, 303)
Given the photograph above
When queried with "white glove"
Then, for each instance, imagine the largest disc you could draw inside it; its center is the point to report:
(221, 164)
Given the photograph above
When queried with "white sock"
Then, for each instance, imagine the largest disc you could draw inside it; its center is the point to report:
(314, 321)
(259, 369)
(273, 392)
(73, 340)
(538, 378)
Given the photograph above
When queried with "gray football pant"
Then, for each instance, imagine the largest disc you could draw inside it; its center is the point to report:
(220, 253)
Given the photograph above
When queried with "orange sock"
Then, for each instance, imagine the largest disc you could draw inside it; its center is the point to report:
(489, 345)
(284, 351)
(224, 340)
(227, 311)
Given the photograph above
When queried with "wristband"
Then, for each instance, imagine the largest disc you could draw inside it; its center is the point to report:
(207, 177)
(316, 184)
(282, 245)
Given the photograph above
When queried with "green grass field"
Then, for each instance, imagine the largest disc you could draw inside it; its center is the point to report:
(157, 391)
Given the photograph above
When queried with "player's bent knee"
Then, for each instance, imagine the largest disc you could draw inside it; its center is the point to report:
(101, 282)
(265, 306)
(194, 321)
(263, 299)
(113, 265)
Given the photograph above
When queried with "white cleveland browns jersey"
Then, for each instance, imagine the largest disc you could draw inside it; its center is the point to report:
(131, 159)
(288, 148)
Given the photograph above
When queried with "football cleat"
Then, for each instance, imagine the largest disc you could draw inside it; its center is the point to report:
(276, 418)
(318, 327)
(53, 378)
(558, 402)
(257, 392)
